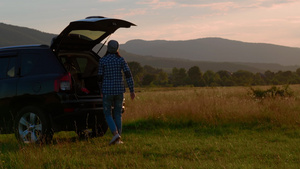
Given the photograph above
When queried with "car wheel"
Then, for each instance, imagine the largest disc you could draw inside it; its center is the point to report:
(32, 126)
(98, 129)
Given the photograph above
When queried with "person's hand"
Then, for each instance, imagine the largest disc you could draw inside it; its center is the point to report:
(132, 95)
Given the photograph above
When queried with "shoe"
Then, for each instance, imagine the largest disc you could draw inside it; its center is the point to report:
(119, 142)
(114, 139)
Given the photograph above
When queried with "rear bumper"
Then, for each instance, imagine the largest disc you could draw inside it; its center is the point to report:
(72, 106)
(80, 112)
(86, 103)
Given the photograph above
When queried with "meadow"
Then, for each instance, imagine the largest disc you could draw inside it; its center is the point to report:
(219, 127)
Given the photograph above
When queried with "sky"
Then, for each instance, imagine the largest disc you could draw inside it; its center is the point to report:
(257, 21)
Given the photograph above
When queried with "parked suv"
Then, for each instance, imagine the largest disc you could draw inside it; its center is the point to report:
(45, 89)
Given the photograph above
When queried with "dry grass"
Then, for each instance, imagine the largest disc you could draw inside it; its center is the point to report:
(219, 105)
(217, 137)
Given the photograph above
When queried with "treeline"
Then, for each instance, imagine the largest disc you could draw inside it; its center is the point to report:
(149, 76)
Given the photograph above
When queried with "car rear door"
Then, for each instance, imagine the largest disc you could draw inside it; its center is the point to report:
(86, 33)
(8, 85)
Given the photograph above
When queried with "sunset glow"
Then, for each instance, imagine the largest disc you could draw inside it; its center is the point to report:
(261, 21)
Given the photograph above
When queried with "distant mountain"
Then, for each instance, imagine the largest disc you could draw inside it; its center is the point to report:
(216, 50)
(168, 63)
(15, 35)
(181, 54)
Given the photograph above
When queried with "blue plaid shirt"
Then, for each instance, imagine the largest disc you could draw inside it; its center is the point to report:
(111, 77)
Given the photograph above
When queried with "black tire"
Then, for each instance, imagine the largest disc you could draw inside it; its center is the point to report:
(98, 128)
(33, 126)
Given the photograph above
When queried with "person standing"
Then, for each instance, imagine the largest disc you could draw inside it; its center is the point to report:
(112, 88)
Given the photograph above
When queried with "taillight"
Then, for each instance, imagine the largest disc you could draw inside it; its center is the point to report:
(63, 83)
(69, 110)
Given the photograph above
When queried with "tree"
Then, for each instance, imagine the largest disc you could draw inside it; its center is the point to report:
(298, 71)
(148, 79)
(225, 78)
(195, 76)
(211, 78)
(150, 70)
(161, 78)
(154, 76)
(136, 71)
(178, 77)
(287, 77)
(269, 76)
(259, 79)
(243, 78)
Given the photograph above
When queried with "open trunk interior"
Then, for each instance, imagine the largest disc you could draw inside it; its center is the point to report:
(83, 68)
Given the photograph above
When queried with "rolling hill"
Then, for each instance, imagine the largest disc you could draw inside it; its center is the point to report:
(209, 53)
(216, 50)
(14, 35)
(168, 63)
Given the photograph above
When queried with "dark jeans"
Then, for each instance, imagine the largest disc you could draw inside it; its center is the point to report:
(114, 124)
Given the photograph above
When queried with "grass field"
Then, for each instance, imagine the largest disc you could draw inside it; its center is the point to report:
(180, 128)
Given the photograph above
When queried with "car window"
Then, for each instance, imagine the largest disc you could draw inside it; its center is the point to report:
(7, 67)
(29, 62)
(82, 62)
(86, 66)
(77, 63)
(87, 34)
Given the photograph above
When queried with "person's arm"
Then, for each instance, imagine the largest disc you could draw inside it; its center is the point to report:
(129, 80)
(132, 95)
(100, 76)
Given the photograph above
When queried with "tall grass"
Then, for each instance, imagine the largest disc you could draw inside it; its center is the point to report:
(213, 106)
(221, 127)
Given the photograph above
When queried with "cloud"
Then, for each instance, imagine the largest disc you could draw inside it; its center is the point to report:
(272, 3)
(254, 21)
(230, 5)
(157, 4)
(107, 0)
(123, 13)
(220, 6)
(294, 19)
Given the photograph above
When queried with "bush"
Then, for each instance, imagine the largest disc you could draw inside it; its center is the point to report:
(273, 92)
